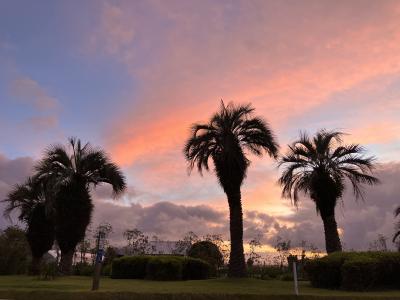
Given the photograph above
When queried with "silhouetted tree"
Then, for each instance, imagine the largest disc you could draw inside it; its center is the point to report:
(208, 252)
(30, 199)
(72, 171)
(224, 139)
(138, 243)
(14, 253)
(318, 167)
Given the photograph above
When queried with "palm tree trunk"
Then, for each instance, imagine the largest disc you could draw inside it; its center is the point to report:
(332, 240)
(35, 266)
(237, 266)
(65, 266)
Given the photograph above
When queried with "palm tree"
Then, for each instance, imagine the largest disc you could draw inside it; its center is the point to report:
(397, 234)
(30, 199)
(318, 167)
(72, 171)
(224, 139)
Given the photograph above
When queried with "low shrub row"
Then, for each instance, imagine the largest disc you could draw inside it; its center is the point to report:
(160, 268)
(355, 270)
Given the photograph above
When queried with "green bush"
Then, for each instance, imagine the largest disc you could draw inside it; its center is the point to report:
(325, 272)
(48, 271)
(194, 269)
(359, 273)
(265, 272)
(355, 270)
(83, 269)
(209, 252)
(286, 277)
(14, 251)
(160, 268)
(164, 268)
(270, 272)
(130, 267)
(106, 270)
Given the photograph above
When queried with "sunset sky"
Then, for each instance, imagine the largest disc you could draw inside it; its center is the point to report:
(132, 76)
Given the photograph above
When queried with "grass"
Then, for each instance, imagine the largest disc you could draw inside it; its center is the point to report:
(31, 288)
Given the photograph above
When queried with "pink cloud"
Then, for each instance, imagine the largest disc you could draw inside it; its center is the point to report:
(29, 91)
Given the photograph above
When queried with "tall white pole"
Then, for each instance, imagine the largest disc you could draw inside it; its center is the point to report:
(296, 287)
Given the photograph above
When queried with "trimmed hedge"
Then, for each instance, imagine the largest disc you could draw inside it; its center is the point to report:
(83, 269)
(355, 270)
(129, 267)
(160, 268)
(164, 268)
(194, 268)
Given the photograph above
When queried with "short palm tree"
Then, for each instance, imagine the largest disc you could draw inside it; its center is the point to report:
(71, 172)
(397, 234)
(224, 139)
(318, 167)
(30, 199)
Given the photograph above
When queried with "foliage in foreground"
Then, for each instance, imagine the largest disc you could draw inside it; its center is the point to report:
(14, 251)
(355, 270)
(208, 252)
(160, 268)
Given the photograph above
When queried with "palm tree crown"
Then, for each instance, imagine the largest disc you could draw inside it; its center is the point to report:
(85, 164)
(24, 197)
(312, 162)
(224, 139)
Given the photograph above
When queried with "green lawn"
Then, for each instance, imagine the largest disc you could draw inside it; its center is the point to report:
(30, 288)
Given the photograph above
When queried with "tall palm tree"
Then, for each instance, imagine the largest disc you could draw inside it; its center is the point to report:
(224, 139)
(72, 171)
(397, 234)
(30, 199)
(318, 167)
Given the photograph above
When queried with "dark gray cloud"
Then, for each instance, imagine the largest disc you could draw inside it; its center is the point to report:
(164, 219)
(12, 171)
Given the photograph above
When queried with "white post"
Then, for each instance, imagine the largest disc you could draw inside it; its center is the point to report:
(296, 288)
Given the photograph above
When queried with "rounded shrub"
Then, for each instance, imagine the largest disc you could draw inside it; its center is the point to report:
(209, 252)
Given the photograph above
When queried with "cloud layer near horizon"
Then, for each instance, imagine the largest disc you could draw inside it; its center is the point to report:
(360, 223)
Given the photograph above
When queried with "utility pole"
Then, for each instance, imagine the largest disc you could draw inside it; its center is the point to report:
(296, 287)
(101, 237)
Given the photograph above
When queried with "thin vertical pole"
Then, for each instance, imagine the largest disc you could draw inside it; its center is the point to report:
(296, 288)
(97, 267)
